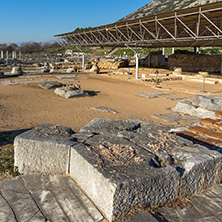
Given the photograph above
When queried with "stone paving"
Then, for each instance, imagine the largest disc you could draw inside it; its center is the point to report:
(203, 207)
(155, 94)
(49, 198)
(103, 109)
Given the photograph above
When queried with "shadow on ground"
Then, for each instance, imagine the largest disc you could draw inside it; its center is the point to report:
(93, 93)
(7, 137)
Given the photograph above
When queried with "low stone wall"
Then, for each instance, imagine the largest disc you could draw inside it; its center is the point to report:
(112, 64)
(191, 62)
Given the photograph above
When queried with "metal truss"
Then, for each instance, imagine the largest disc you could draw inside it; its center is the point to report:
(195, 27)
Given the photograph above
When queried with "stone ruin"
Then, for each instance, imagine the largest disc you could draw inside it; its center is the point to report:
(121, 165)
(17, 70)
(94, 69)
(202, 106)
(71, 91)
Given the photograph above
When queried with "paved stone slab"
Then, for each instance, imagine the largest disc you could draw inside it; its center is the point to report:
(8, 83)
(103, 109)
(173, 97)
(50, 84)
(6, 213)
(19, 200)
(60, 199)
(45, 149)
(186, 107)
(142, 217)
(70, 80)
(151, 94)
(45, 198)
(69, 93)
(213, 103)
(203, 207)
(67, 77)
(176, 118)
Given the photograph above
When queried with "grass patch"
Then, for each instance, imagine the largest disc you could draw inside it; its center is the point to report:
(6, 156)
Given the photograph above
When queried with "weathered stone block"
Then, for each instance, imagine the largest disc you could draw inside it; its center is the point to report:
(45, 150)
(68, 93)
(200, 172)
(213, 103)
(118, 175)
(106, 126)
(187, 107)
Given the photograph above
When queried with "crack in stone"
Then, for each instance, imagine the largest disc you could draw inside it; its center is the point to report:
(9, 207)
(197, 209)
(14, 191)
(59, 204)
(34, 215)
(34, 200)
(144, 148)
(179, 217)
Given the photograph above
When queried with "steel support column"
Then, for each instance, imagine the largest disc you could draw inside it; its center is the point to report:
(137, 66)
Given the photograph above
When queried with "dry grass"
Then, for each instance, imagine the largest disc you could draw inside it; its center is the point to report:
(6, 156)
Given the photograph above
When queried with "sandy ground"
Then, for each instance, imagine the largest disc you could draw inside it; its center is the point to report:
(26, 106)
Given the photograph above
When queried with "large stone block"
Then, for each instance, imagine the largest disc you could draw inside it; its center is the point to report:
(187, 107)
(213, 103)
(106, 126)
(45, 149)
(200, 172)
(119, 176)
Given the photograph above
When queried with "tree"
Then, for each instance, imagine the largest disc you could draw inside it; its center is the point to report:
(14, 46)
(3, 46)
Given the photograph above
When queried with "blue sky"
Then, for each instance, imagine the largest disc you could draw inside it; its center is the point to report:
(40, 20)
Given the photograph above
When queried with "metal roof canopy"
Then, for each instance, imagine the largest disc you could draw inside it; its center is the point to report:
(193, 27)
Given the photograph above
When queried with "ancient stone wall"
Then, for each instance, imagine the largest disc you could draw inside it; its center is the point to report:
(112, 64)
(154, 59)
(191, 62)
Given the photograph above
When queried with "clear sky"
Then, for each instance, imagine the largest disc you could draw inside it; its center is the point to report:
(40, 20)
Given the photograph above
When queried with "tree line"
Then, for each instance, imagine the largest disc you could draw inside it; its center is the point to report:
(29, 47)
